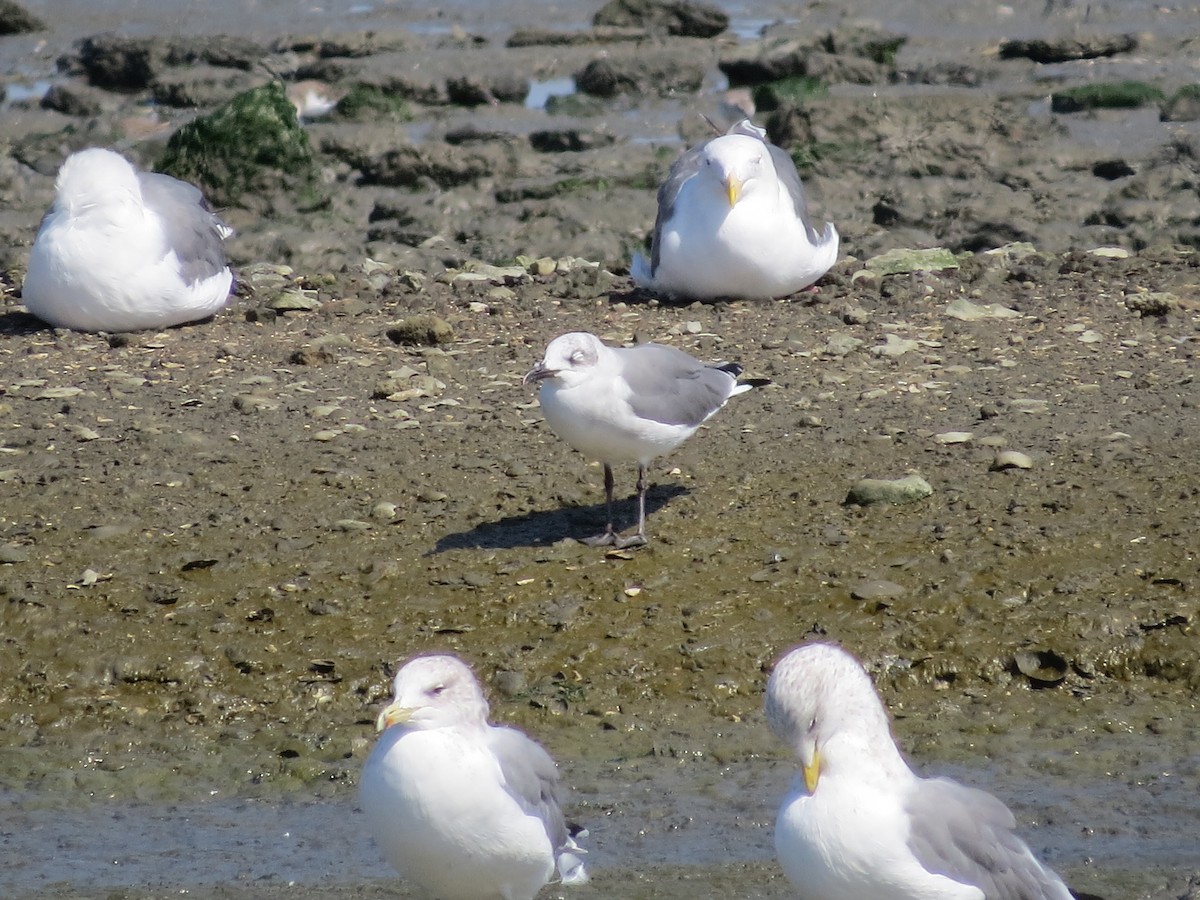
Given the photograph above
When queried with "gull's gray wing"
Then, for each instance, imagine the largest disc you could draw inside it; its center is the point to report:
(785, 168)
(669, 386)
(967, 835)
(193, 231)
(531, 777)
(668, 192)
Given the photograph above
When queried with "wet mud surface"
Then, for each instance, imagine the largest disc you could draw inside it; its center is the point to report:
(217, 541)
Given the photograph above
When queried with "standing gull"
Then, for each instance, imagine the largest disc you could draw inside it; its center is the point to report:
(627, 403)
(859, 824)
(123, 250)
(466, 810)
(733, 222)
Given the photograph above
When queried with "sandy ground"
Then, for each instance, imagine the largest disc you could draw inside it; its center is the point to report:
(217, 541)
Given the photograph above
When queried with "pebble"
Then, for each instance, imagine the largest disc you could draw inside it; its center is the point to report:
(1011, 459)
(953, 437)
(966, 311)
(896, 491)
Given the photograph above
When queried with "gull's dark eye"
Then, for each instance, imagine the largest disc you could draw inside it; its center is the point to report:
(576, 357)
(812, 724)
(436, 690)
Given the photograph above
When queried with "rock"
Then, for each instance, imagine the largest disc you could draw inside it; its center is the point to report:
(954, 437)
(966, 311)
(898, 491)
(545, 37)
(421, 330)
(1010, 459)
(72, 100)
(876, 590)
(905, 261)
(1112, 169)
(247, 152)
(678, 17)
(1152, 303)
(1184, 105)
(15, 19)
(12, 553)
(648, 74)
(1065, 49)
(569, 140)
(121, 63)
(471, 90)
(199, 85)
(894, 346)
(1113, 95)
(1044, 667)
(857, 54)
(410, 165)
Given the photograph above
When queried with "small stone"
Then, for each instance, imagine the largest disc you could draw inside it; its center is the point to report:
(1090, 337)
(876, 590)
(350, 525)
(421, 330)
(1011, 459)
(894, 345)
(966, 311)
(383, 511)
(905, 261)
(954, 437)
(897, 491)
(1110, 252)
(294, 301)
(11, 553)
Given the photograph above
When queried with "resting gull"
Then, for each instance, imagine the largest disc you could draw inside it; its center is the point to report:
(627, 403)
(859, 824)
(123, 250)
(466, 810)
(733, 221)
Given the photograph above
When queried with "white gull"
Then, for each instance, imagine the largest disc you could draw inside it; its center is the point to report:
(859, 824)
(464, 809)
(124, 250)
(733, 221)
(627, 403)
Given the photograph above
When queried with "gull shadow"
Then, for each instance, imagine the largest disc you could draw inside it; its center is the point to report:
(544, 527)
(14, 323)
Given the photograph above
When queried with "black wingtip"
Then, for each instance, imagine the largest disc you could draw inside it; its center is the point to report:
(755, 382)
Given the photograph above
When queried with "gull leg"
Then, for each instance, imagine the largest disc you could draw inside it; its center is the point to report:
(639, 538)
(609, 535)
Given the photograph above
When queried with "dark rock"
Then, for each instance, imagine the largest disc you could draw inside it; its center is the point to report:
(124, 63)
(1065, 49)
(856, 54)
(544, 37)
(1112, 169)
(1184, 105)
(223, 50)
(571, 140)
(421, 330)
(15, 19)
(199, 85)
(475, 91)
(72, 100)
(677, 17)
(643, 75)
(121, 63)
(445, 166)
(942, 73)
(248, 150)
